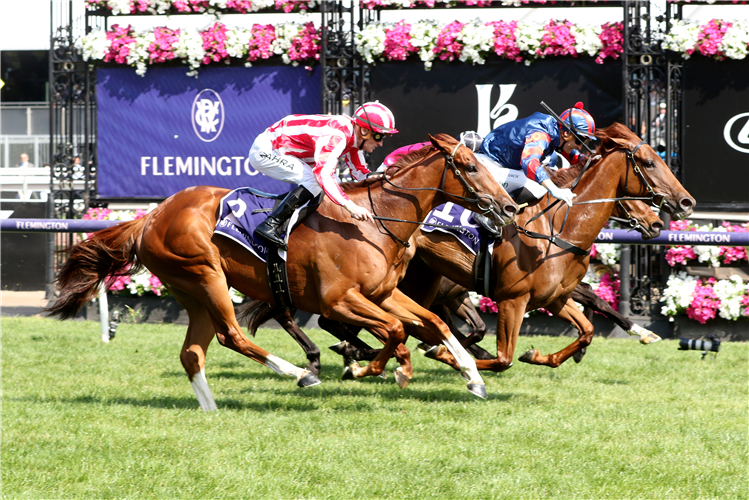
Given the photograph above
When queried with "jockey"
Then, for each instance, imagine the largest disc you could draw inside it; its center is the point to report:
(304, 150)
(524, 144)
(469, 139)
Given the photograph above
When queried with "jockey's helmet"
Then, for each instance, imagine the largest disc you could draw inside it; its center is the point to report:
(579, 121)
(472, 140)
(375, 117)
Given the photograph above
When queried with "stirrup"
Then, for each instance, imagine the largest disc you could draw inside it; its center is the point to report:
(269, 232)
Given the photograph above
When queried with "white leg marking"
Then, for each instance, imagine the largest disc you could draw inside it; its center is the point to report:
(283, 368)
(203, 392)
(466, 362)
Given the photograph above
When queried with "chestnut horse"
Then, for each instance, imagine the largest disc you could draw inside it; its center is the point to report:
(530, 273)
(443, 296)
(340, 268)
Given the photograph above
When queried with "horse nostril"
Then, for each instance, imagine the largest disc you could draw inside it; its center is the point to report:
(686, 203)
(510, 209)
(656, 226)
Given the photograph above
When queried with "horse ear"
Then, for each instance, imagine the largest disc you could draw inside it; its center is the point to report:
(443, 142)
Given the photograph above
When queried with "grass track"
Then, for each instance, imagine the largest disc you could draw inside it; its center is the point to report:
(82, 419)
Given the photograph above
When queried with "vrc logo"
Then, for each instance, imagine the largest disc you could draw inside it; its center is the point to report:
(208, 115)
(742, 137)
(502, 112)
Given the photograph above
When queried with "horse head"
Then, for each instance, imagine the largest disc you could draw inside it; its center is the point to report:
(638, 216)
(646, 175)
(471, 181)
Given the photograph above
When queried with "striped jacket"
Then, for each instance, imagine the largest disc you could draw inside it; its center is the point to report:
(319, 141)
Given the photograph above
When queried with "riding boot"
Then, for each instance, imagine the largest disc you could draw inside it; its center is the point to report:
(269, 228)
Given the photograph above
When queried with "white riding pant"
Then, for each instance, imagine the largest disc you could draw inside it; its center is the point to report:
(272, 163)
(511, 180)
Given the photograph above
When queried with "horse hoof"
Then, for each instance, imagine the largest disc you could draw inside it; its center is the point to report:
(383, 375)
(649, 338)
(431, 353)
(308, 380)
(477, 390)
(401, 378)
(348, 371)
(578, 356)
(527, 357)
(423, 347)
(339, 348)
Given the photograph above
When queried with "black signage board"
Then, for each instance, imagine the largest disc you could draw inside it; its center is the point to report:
(454, 97)
(716, 139)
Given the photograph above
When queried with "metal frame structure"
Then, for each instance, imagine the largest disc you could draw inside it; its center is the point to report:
(651, 79)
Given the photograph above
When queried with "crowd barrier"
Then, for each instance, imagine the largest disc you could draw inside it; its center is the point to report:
(622, 236)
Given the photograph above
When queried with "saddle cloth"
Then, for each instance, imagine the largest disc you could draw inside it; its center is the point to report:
(461, 224)
(237, 221)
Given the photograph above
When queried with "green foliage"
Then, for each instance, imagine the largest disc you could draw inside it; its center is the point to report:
(84, 419)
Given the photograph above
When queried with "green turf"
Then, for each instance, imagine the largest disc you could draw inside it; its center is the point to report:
(84, 419)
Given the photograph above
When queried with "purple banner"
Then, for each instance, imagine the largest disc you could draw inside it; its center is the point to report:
(166, 131)
(623, 236)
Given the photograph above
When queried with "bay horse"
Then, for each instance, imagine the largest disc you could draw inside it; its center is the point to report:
(338, 267)
(443, 296)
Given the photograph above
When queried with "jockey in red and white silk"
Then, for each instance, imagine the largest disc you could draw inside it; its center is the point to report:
(319, 141)
(305, 149)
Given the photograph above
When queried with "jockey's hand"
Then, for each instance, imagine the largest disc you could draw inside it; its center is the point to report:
(357, 212)
(565, 195)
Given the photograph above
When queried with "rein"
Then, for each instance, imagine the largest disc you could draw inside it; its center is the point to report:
(565, 245)
(449, 163)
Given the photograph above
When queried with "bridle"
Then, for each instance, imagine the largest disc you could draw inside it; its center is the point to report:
(628, 219)
(484, 202)
(555, 239)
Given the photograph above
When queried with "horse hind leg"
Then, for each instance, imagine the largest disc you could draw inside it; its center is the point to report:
(566, 311)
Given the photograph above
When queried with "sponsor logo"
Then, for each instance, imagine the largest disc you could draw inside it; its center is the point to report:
(502, 112)
(207, 115)
(738, 127)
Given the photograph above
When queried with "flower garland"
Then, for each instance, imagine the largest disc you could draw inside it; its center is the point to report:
(473, 42)
(714, 255)
(717, 39)
(161, 7)
(703, 300)
(295, 43)
(142, 283)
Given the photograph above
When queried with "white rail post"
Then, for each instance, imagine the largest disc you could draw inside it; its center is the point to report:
(104, 313)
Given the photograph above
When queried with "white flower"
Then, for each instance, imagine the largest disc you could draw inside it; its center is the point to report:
(477, 39)
(237, 42)
(370, 42)
(119, 6)
(682, 37)
(285, 33)
(423, 37)
(736, 40)
(94, 45)
(138, 55)
(678, 293)
(729, 293)
(586, 39)
(189, 47)
(528, 37)
(236, 296)
(474, 298)
(608, 253)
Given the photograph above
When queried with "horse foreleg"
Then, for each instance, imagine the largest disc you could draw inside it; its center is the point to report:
(585, 295)
(509, 320)
(566, 311)
(425, 325)
(351, 346)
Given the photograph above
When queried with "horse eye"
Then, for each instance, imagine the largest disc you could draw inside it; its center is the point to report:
(471, 167)
(649, 164)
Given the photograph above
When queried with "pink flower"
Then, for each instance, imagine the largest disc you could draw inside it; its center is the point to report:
(608, 289)
(611, 37)
(487, 305)
(447, 47)
(504, 40)
(97, 214)
(745, 305)
(704, 304)
(214, 43)
(398, 42)
(679, 255)
(306, 45)
(557, 40)
(139, 6)
(120, 39)
(162, 48)
(261, 41)
(241, 6)
(710, 39)
(291, 5)
(155, 285)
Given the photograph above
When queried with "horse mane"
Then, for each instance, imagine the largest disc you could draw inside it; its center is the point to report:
(565, 176)
(394, 169)
(607, 137)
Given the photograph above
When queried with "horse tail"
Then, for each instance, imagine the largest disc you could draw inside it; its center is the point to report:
(256, 313)
(106, 255)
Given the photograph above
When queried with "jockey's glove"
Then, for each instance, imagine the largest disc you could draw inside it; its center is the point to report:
(565, 195)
